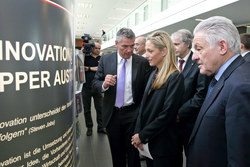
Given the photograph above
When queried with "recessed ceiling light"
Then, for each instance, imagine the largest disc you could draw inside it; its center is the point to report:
(199, 19)
(81, 15)
(81, 22)
(85, 5)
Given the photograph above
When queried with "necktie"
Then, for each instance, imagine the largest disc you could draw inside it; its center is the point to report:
(181, 64)
(211, 86)
(121, 85)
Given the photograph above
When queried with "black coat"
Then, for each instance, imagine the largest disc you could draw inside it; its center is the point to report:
(156, 123)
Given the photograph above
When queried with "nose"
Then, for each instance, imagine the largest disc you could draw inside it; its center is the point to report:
(195, 56)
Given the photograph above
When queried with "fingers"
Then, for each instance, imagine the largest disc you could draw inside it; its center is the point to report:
(135, 141)
(178, 119)
(110, 80)
(140, 146)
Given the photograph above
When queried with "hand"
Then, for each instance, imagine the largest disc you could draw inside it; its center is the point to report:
(140, 146)
(86, 68)
(110, 80)
(177, 119)
(94, 68)
(135, 141)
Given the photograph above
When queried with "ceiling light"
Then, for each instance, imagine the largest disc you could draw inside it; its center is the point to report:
(82, 15)
(81, 22)
(199, 19)
(85, 5)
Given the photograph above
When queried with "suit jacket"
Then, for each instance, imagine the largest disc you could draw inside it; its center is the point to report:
(247, 57)
(108, 65)
(156, 123)
(221, 134)
(195, 92)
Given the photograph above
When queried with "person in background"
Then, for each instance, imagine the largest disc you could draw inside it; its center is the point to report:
(221, 134)
(122, 76)
(196, 86)
(245, 46)
(140, 46)
(156, 123)
(90, 66)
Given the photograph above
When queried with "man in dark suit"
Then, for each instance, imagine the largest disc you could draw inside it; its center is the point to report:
(195, 89)
(245, 46)
(221, 134)
(118, 118)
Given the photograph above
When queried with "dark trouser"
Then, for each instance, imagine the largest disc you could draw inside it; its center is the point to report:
(120, 130)
(184, 131)
(160, 162)
(87, 93)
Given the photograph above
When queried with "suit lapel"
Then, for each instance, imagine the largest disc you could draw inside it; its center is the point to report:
(207, 103)
(213, 95)
(148, 89)
(134, 73)
(188, 66)
(113, 64)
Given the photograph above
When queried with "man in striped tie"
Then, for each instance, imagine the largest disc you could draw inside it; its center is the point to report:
(195, 89)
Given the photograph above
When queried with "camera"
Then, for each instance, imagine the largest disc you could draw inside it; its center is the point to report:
(87, 46)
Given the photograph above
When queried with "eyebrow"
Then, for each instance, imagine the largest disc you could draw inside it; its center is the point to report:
(128, 45)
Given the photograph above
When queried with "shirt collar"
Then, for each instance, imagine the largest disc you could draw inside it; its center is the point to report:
(244, 54)
(119, 58)
(224, 67)
(186, 57)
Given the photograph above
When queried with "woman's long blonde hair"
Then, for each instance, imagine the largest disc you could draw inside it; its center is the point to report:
(161, 40)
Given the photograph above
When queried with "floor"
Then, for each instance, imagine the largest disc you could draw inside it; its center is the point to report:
(94, 150)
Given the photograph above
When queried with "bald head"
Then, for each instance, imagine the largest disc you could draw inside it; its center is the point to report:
(140, 45)
(96, 49)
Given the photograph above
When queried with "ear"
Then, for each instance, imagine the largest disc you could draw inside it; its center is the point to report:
(116, 43)
(165, 51)
(223, 47)
(241, 45)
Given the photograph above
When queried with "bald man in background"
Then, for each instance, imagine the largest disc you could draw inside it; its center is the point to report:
(140, 46)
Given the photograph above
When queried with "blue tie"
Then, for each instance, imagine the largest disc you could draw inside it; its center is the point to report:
(211, 86)
(121, 85)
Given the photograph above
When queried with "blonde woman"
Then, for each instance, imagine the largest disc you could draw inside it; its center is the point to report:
(156, 123)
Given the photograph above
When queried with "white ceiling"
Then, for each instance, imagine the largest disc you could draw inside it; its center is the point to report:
(105, 14)
(93, 16)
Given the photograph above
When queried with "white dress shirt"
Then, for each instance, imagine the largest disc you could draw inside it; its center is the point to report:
(128, 96)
